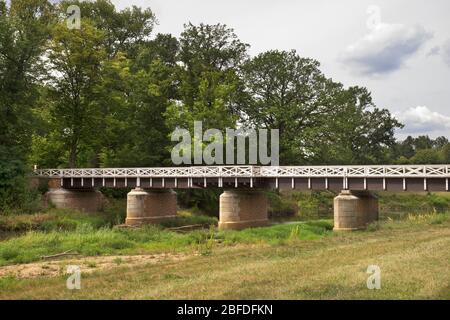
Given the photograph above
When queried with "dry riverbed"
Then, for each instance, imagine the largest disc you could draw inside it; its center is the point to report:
(57, 267)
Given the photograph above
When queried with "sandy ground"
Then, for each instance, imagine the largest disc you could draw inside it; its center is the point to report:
(57, 267)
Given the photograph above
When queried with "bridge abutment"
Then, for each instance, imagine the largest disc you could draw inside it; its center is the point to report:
(152, 206)
(354, 210)
(88, 200)
(242, 209)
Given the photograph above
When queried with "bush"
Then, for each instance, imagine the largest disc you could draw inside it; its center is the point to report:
(205, 200)
(281, 205)
(15, 192)
(315, 203)
(413, 202)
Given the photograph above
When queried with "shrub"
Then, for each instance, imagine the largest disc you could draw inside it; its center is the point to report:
(16, 193)
(281, 205)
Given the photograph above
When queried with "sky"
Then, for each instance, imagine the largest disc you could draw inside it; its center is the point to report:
(398, 49)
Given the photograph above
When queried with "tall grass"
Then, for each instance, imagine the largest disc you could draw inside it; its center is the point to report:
(278, 234)
(88, 241)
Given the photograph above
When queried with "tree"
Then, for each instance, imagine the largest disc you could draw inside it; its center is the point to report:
(137, 133)
(435, 150)
(426, 156)
(75, 65)
(423, 142)
(123, 33)
(288, 93)
(361, 132)
(319, 121)
(209, 87)
(440, 142)
(445, 154)
(24, 29)
(123, 30)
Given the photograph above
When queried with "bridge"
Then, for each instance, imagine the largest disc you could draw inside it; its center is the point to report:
(243, 204)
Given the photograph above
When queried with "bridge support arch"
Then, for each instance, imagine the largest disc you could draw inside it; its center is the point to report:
(354, 210)
(239, 209)
(155, 206)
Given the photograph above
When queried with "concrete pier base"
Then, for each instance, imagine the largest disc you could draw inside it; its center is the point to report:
(152, 206)
(354, 210)
(85, 200)
(243, 209)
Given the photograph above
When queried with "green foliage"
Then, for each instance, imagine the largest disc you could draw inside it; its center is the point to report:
(24, 29)
(278, 234)
(205, 200)
(59, 220)
(9, 282)
(319, 121)
(281, 206)
(314, 204)
(74, 66)
(210, 89)
(89, 241)
(190, 220)
(413, 203)
(426, 156)
(421, 150)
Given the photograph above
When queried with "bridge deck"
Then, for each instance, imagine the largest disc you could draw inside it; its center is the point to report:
(385, 177)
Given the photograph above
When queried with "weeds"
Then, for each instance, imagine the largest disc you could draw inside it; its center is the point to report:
(206, 246)
(432, 218)
(89, 241)
(8, 282)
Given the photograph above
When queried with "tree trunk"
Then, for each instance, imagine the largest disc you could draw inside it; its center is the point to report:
(73, 156)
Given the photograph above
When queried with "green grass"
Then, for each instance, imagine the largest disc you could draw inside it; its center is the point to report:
(89, 241)
(420, 202)
(8, 282)
(55, 219)
(278, 234)
(412, 253)
(188, 217)
(92, 235)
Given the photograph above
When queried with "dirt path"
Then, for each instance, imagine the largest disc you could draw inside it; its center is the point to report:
(57, 267)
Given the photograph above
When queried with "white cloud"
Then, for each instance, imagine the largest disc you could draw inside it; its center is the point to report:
(422, 120)
(435, 51)
(443, 51)
(446, 52)
(385, 48)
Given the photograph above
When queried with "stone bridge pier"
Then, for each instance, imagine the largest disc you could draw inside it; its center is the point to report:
(354, 210)
(239, 209)
(150, 206)
(89, 200)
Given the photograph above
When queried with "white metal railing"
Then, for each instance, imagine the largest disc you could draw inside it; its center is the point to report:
(401, 171)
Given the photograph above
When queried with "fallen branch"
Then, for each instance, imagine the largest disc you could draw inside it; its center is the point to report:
(65, 253)
(187, 227)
